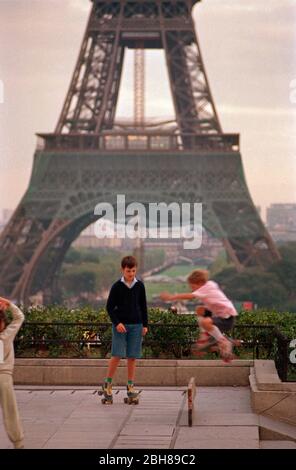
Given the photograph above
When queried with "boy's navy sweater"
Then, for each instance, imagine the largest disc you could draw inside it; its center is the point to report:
(127, 305)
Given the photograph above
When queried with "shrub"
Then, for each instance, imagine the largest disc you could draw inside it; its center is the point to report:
(170, 335)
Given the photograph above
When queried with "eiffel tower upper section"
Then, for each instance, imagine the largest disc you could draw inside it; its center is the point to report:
(113, 26)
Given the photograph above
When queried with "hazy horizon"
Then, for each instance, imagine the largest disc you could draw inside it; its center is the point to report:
(249, 50)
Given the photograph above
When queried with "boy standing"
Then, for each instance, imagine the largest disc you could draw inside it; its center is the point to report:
(7, 396)
(217, 314)
(127, 308)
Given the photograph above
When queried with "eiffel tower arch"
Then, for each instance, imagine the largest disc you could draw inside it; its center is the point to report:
(90, 158)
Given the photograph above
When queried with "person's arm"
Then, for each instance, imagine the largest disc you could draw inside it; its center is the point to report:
(12, 329)
(173, 297)
(112, 304)
(143, 303)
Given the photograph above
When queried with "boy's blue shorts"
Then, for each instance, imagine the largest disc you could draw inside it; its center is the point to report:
(127, 344)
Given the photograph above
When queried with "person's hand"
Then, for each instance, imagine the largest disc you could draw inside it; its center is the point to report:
(165, 296)
(200, 311)
(121, 328)
(144, 331)
(4, 303)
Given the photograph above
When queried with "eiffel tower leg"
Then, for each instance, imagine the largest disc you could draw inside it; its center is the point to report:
(92, 97)
(48, 267)
(260, 251)
(231, 215)
(193, 101)
(17, 245)
(22, 286)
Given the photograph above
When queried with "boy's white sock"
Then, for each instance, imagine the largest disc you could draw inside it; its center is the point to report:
(216, 333)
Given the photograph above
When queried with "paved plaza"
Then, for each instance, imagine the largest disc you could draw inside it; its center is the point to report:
(75, 418)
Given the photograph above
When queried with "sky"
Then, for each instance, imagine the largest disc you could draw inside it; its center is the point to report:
(249, 50)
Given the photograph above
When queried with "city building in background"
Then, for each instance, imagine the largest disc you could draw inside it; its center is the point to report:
(281, 221)
(208, 251)
(88, 239)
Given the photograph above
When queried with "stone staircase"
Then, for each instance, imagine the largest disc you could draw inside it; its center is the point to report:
(223, 418)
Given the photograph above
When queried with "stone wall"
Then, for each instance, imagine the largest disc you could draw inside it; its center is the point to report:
(269, 395)
(149, 372)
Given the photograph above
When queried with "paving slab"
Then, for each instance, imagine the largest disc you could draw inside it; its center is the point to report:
(221, 437)
(209, 433)
(152, 419)
(217, 444)
(152, 429)
(100, 444)
(277, 445)
(58, 418)
(220, 419)
(4, 441)
(141, 446)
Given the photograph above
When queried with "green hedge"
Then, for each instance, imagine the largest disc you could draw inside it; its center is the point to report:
(163, 339)
(283, 321)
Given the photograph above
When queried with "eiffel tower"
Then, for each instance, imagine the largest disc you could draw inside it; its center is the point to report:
(90, 158)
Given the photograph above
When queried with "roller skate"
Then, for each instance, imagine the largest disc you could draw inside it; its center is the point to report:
(225, 346)
(107, 392)
(204, 344)
(132, 395)
(207, 343)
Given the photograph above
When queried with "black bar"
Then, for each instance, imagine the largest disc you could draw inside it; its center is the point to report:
(190, 458)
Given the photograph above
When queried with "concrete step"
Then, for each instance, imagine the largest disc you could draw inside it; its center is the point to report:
(218, 437)
(277, 445)
(278, 403)
(267, 377)
(273, 430)
(220, 419)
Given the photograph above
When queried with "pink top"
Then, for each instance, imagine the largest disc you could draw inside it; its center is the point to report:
(215, 300)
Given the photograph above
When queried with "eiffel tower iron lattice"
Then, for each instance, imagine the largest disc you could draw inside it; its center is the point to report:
(88, 159)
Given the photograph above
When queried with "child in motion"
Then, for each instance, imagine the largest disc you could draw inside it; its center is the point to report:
(127, 308)
(8, 403)
(215, 317)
